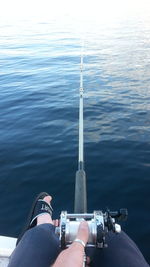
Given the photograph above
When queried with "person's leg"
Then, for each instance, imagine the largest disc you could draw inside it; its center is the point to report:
(39, 246)
(121, 252)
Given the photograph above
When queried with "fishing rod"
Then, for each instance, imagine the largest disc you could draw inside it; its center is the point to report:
(99, 222)
(80, 204)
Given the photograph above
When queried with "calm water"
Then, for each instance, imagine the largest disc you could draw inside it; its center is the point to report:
(39, 82)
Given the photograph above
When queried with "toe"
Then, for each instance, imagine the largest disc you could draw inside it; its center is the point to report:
(47, 199)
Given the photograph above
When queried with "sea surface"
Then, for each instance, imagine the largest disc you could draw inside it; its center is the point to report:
(39, 101)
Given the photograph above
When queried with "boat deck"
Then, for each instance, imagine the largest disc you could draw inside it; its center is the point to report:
(7, 245)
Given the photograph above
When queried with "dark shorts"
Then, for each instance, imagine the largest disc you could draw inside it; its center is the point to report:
(39, 247)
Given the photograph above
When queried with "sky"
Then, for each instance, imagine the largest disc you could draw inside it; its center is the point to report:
(79, 9)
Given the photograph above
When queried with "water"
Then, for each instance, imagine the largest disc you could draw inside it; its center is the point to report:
(39, 81)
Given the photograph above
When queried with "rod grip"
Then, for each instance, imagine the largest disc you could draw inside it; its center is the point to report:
(80, 205)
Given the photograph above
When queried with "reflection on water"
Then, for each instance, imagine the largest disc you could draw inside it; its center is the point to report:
(39, 80)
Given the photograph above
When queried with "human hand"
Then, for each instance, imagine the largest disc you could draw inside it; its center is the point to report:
(74, 255)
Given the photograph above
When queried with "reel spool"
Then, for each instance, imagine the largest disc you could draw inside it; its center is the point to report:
(99, 225)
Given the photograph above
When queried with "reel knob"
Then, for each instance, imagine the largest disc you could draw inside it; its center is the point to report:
(117, 228)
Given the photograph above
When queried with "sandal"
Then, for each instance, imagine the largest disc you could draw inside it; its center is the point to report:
(39, 207)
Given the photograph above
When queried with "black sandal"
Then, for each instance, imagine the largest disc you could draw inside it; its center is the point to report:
(39, 206)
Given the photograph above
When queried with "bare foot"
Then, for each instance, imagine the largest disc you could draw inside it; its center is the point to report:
(45, 218)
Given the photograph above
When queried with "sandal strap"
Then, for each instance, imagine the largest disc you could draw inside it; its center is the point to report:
(41, 207)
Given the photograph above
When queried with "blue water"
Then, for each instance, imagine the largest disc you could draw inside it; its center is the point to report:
(39, 85)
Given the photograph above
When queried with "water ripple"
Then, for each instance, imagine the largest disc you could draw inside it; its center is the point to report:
(39, 80)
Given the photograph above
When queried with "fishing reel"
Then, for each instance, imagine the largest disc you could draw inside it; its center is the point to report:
(99, 225)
